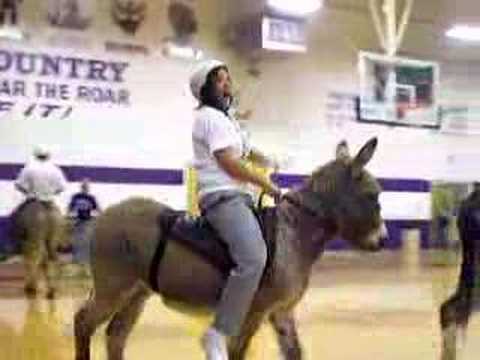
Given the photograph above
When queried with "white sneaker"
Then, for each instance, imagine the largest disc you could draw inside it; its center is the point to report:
(214, 344)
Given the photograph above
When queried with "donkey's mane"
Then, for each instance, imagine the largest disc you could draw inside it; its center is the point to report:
(323, 178)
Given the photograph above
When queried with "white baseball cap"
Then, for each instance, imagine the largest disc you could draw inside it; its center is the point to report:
(200, 74)
(41, 151)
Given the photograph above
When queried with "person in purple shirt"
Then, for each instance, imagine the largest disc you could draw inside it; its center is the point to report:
(83, 208)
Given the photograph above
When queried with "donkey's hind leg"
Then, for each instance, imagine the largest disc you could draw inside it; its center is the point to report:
(454, 316)
(50, 271)
(124, 320)
(107, 297)
(50, 265)
(287, 336)
(90, 316)
(33, 252)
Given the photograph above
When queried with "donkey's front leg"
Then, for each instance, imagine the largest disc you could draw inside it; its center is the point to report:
(238, 346)
(286, 329)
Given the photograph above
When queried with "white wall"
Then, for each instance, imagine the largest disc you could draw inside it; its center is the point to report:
(289, 103)
(153, 132)
(288, 100)
(293, 95)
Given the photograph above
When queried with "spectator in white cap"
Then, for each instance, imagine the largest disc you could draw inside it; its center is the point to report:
(40, 179)
(219, 149)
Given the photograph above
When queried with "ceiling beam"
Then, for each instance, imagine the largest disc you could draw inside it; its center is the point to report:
(363, 10)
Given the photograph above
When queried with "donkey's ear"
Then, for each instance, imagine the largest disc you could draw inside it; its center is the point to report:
(364, 156)
(342, 151)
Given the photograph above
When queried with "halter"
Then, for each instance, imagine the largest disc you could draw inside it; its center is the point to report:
(313, 204)
(315, 209)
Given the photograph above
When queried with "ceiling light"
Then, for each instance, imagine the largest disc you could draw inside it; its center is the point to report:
(11, 33)
(296, 7)
(464, 32)
(173, 50)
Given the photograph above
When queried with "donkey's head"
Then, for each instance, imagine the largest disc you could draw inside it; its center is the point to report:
(350, 196)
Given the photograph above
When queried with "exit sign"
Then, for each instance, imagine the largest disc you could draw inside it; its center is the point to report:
(287, 35)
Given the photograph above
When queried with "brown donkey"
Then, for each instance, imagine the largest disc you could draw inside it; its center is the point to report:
(143, 247)
(39, 228)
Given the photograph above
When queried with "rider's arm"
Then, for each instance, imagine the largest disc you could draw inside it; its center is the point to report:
(22, 183)
(72, 205)
(21, 189)
(61, 181)
(258, 157)
(222, 138)
(95, 207)
(235, 168)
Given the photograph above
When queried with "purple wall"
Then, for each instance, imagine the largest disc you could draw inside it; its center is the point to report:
(175, 177)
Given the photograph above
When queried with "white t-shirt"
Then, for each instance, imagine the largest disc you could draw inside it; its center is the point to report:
(212, 131)
(42, 180)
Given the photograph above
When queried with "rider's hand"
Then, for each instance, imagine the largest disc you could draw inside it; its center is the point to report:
(274, 163)
(274, 191)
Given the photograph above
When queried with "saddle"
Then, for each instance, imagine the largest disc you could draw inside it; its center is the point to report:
(200, 237)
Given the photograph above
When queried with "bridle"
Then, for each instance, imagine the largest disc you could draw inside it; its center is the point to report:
(314, 208)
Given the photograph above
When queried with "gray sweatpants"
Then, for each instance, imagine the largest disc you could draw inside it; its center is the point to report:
(229, 213)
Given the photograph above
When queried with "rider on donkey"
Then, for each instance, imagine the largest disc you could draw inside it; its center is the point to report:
(219, 149)
(40, 181)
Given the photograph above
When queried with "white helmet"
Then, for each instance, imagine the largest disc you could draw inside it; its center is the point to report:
(41, 151)
(200, 74)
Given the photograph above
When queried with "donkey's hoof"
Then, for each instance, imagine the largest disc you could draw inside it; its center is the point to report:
(51, 294)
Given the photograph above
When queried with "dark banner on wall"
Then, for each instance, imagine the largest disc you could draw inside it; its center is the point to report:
(70, 14)
(10, 12)
(129, 15)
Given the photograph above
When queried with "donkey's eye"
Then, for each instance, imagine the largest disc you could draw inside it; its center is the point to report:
(372, 197)
(359, 177)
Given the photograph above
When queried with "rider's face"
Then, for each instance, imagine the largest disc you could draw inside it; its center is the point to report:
(223, 83)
